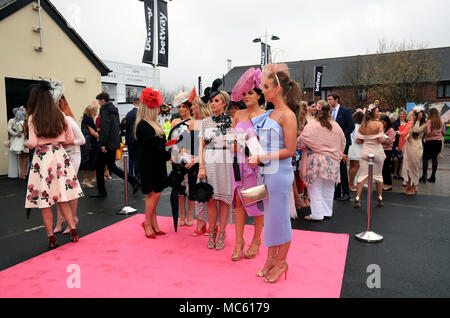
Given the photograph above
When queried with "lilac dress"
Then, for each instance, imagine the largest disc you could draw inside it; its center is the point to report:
(247, 173)
(278, 178)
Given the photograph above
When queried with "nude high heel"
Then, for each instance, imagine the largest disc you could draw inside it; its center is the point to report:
(284, 266)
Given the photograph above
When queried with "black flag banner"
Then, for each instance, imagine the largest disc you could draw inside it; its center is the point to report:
(149, 20)
(265, 49)
(318, 76)
(163, 34)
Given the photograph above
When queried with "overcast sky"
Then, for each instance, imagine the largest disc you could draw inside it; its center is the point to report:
(203, 34)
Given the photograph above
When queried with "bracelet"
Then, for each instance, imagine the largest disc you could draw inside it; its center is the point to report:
(202, 168)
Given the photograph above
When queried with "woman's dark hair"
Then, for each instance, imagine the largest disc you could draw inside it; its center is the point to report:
(387, 120)
(104, 96)
(261, 99)
(292, 93)
(423, 120)
(358, 117)
(48, 120)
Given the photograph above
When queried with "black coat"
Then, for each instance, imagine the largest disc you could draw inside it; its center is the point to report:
(152, 159)
(109, 135)
(131, 120)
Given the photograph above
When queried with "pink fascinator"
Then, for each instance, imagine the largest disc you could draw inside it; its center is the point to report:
(248, 81)
(151, 98)
(270, 69)
(319, 107)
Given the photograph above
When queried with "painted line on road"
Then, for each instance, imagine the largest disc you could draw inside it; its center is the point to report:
(35, 228)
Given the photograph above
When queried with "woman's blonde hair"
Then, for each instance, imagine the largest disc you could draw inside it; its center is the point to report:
(225, 98)
(204, 109)
(89, 110)
(150, 115)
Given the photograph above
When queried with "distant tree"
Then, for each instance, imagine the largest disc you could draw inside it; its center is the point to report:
(399, 72)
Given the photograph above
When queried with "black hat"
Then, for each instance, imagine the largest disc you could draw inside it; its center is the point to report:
(239, 104)
(213, 91)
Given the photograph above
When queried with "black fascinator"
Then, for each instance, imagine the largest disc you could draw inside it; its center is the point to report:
(213, 91)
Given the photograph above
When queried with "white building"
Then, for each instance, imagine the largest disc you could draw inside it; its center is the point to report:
(126, 82)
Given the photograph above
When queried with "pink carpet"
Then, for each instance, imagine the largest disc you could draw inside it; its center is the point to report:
(120, 262)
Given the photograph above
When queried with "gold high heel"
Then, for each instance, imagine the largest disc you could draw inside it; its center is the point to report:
(270, 259)
(237, 255)
(283, 266)
(249, 254)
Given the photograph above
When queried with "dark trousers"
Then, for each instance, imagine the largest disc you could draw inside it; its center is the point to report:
(133, 167)
(108, 159)
(387, 177)
(343, 188)
(431, 151)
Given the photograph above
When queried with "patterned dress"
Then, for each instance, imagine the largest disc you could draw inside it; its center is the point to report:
(52, 178)
(217, 156)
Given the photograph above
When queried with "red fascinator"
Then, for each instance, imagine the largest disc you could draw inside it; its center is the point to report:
(151, 98)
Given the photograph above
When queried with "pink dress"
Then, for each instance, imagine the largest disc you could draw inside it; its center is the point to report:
(247, 173)
(52, 178)
(371, 145)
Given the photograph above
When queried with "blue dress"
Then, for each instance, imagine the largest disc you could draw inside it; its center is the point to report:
(278, 178)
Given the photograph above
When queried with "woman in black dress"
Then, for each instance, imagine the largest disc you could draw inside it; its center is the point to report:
(89, 150)
(151, 157)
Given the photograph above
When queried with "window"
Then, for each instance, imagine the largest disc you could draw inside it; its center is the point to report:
(443, 90)
(362, 94)
(111, 89)
(324, 94)
(133, 92)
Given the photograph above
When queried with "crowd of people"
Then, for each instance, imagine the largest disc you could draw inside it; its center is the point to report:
(261, 152)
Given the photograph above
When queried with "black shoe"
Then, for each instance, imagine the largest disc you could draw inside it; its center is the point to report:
(345, 197)
(432, 180)
(337, 196)
(423, 179)
(98, 195)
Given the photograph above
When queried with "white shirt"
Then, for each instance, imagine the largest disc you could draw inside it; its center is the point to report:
(336, 111)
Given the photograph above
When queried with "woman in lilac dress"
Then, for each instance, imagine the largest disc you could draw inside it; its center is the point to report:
(244, 176)
(277, 131)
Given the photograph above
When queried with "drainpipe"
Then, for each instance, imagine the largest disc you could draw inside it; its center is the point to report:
(40, 47)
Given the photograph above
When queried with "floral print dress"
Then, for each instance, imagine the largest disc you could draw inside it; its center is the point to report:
(321, 166)
(52, 178)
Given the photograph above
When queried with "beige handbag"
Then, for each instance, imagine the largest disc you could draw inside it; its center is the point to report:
(254, 194)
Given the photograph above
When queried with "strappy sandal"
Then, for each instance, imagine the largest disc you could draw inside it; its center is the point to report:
(271, 262)
(237, 255)
(250, 254)
(221, 241)
(212, 239)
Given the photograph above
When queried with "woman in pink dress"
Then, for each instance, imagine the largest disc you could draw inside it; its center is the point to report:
(244, 176)
(52, 179)
(371, 136)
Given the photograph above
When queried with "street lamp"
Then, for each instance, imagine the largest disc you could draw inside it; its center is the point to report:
(273, 38)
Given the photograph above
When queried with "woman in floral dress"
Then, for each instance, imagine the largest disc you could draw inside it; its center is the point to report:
(323, 143)
(52, 178)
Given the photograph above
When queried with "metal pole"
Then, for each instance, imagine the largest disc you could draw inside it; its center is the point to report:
(40, 25)
(265, 54)
(368, 236)
(127, 209)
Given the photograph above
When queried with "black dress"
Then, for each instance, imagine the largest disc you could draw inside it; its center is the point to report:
(151, 159)
(89, 150)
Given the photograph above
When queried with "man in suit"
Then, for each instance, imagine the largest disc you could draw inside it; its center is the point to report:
(130, 138)
(343, 116)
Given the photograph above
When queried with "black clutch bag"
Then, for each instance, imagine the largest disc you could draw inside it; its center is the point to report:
(203, 191)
